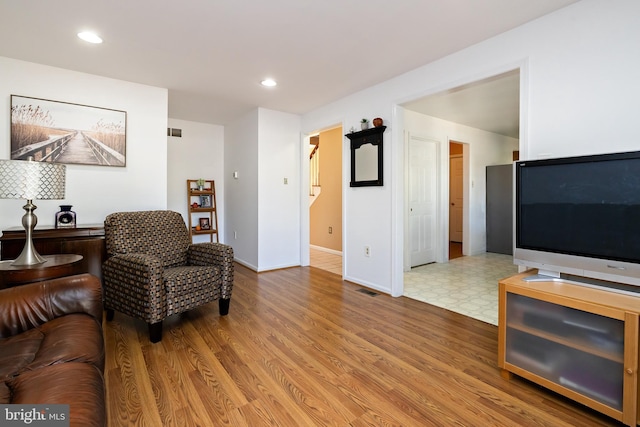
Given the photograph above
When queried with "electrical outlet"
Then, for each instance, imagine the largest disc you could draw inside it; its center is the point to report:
(330, 230)
(286, 181)
(367, 251)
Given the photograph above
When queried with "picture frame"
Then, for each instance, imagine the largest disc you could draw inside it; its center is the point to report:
(63, 132)
(204, 224)
(205, 201)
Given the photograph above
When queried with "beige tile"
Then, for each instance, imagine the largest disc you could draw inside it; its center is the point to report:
(326, 261)
(467, 285)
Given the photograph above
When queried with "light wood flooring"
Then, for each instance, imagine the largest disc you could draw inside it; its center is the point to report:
(300, 347)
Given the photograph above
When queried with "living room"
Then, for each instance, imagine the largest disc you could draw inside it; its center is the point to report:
(579, 92)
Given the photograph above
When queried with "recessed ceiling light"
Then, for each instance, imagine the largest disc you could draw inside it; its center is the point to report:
(268, 82)
(90, 37)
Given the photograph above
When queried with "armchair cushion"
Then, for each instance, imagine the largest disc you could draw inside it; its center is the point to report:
(188, 286)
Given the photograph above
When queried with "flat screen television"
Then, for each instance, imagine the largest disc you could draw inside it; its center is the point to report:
(579, 217)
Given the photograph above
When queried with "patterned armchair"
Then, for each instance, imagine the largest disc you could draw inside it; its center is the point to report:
(153, 270)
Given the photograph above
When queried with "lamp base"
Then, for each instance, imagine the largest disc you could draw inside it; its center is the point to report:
(29, 255)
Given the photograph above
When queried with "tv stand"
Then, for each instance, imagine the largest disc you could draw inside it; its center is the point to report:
(578, 340)
(584, 281)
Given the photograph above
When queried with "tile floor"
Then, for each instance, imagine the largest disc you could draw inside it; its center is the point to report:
(325, 261)
(466, 285)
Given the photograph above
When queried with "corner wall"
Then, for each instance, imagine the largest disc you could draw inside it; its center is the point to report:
(279, 151)
(262, 211)
(94, 191)
(199, 153)
(241, 193)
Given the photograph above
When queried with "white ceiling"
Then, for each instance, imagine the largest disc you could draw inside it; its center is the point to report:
(212, 54)
(491, 104)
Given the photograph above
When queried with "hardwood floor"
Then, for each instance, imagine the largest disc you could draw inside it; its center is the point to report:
(300, 347)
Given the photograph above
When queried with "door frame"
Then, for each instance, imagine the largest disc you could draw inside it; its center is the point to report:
(305, 217)
(399, 154)
(466, 189)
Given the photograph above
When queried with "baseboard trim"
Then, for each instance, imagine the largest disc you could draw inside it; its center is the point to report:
(323, 249)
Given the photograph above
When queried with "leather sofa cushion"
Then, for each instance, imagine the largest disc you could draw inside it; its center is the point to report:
(18, 351)
(74, 339)
(71, 338)
(79, 385)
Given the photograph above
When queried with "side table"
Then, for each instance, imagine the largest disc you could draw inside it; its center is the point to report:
(87, 240)
(56, 266)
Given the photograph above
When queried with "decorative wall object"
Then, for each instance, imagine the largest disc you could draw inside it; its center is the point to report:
(366, 157)
(62, 132)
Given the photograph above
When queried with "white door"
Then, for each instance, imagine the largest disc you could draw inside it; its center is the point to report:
(423, 175)
(456, 198)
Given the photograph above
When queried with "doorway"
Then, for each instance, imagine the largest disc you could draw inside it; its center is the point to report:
(456, 199)
(325, 200)
(484, 114)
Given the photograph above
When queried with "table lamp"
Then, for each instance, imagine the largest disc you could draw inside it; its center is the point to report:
(27, 179)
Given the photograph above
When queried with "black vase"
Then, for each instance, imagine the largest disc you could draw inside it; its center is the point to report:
(65, 218)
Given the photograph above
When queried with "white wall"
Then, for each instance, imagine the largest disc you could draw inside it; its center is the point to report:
(264, 213)
(241, 194)
(94, 191)
(484, 149)
(199, 153)
(279, 149)
(579, 90)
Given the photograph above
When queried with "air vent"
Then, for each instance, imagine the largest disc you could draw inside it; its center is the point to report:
(367, 292)
(174, 132)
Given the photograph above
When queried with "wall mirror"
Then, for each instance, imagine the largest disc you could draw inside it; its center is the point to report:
(366, 157)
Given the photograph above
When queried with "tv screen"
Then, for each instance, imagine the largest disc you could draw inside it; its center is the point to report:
(585, 206)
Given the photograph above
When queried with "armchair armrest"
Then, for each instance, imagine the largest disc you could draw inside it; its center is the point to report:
(27, 306)
(217, 254)
(133, 285)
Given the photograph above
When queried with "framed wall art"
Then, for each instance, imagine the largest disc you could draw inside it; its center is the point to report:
(62, 132)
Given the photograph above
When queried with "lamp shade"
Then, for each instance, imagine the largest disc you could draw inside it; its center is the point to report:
(22, 179)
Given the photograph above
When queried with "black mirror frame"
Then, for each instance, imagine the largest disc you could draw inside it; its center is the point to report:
(371, 136)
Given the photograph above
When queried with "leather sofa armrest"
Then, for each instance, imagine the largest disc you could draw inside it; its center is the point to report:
(27, 306)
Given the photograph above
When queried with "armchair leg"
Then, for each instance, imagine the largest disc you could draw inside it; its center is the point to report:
(110, 313)
(155, 331)
(224, 306)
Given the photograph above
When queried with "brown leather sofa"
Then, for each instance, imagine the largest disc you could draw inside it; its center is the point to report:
(52, 346)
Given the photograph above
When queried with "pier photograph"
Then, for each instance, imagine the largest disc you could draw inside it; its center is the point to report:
(62, 132)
